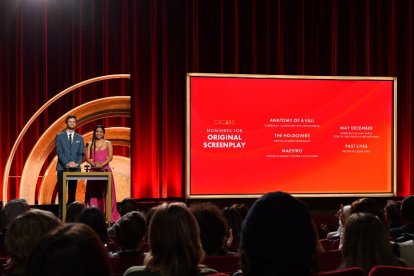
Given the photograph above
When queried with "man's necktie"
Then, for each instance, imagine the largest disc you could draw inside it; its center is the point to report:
(70, 139)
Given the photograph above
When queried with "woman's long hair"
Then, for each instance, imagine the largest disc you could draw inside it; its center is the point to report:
(174, 239)
(366, 243)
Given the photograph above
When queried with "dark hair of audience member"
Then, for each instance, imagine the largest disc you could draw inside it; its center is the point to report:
(234, 222)
(24, 234)
(242, 209)
(392, 212)
(130, 230)
(367, 205)
(73, 211)
(11, 210)
(72, 249)
(366, 243)
(174, 239)
(277, 237)
(213, 228)
(407, 209)
(95, 219)
(128, 205)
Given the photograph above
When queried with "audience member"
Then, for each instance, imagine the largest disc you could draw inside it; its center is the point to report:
(343, 213)
(73, 211)
(129, 233)
(234, 220)
(128, 205)
(278, 237)
(70, 250)
(24, 234)
(213, 228)
(366, 243)
(405, 232)
(95, 219)
(10, 211)
(174, 239)
(242, 209)
(392, 214)
(363, 205)
(367, 205)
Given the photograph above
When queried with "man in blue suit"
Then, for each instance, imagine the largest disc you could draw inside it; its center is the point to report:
(70, 151)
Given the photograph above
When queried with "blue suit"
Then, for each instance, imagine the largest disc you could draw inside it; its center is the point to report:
(66, 153)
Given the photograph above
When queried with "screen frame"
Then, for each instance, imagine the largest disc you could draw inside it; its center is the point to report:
(299, 77)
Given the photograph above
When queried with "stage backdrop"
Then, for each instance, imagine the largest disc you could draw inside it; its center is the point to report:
(47, 46)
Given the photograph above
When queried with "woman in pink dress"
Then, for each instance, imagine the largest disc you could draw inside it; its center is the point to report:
(98, 155)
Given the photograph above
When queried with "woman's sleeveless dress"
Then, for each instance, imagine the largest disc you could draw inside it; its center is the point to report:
(96, 190)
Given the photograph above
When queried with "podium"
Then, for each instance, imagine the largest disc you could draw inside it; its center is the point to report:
(67, 176)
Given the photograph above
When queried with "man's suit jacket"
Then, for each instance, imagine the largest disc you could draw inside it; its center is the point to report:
(67, 152)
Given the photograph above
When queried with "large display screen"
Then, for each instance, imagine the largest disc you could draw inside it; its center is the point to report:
(311, 136)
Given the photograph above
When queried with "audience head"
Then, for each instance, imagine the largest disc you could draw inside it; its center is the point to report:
(95, 219)
(277, 237)
(11, 210)
(72, 249)
(128, 205)
(366, 243)
(174, 239)
(242, 209)
(213, 227)
(392, 212)
(367, 205)
(73, 211)
(24, 234)
(130, 230)
(407, 209)
(234, 219)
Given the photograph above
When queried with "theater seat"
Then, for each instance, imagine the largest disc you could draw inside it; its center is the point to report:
(385, 270)
(335, 244)
(330, 260)
(352, 271)
(326, 244)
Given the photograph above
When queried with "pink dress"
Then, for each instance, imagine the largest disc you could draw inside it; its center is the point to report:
(95, 193)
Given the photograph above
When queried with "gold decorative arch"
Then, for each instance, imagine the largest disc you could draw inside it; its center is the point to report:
(88, 112)
(38, 112)
(119, 136)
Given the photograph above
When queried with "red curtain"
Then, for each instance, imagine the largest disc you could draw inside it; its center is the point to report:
(295, 37)
(46, 46)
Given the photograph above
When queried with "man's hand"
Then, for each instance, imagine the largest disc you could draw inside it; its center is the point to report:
(72, 164)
